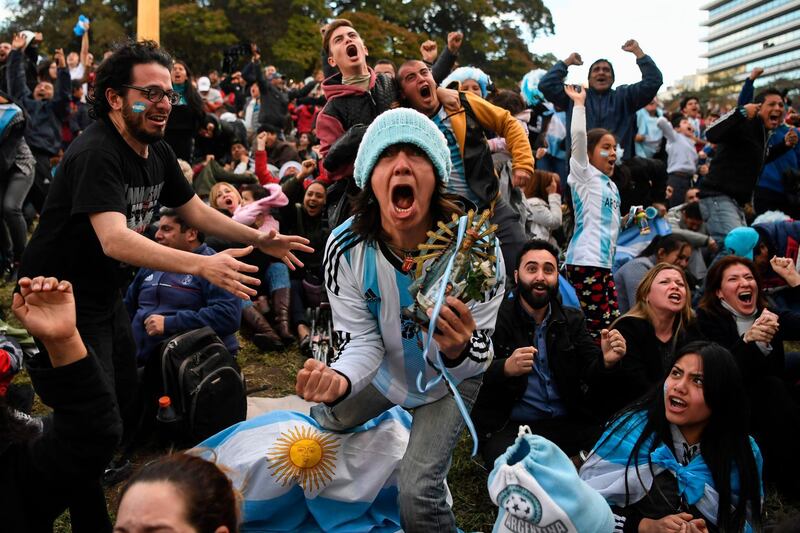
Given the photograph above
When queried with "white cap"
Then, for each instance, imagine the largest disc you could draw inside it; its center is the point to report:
(29, 35)
(203, 84)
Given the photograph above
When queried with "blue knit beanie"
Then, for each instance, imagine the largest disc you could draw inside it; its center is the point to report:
(741, 241)
(401, 126)
(462, 74)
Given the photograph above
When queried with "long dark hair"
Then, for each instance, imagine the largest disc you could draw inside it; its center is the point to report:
(710, 302)
(208, 494)
(724, 444)
(190, 93)
(668, 243)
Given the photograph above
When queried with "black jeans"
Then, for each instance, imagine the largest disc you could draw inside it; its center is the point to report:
(14, 188)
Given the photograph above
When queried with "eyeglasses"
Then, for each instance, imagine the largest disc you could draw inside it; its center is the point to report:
(156, 94)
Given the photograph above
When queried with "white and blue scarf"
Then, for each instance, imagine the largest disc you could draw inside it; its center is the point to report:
(606, 469)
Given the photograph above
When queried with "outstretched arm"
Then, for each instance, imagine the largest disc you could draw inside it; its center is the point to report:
(748, 91)
(86, 426)
(446, 60)
(578, 127)
(640, 94)
(85, 45)
(552, 83)
(210, 221)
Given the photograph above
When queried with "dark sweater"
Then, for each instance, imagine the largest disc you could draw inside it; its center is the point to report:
(720, 327)
(46, 116)
(78, 441)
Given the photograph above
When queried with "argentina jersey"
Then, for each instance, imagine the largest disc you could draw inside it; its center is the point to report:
(368, 291)
(596, 203)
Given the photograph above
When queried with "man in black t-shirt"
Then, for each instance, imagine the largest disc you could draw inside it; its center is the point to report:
(104, 195)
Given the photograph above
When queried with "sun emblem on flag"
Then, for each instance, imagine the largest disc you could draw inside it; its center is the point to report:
(303, 455)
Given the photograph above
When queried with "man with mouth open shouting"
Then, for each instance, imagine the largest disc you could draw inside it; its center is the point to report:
(103, 196)
(355, 96)
(463, 124)
(611, 109)
(742, 143)
(402, 167)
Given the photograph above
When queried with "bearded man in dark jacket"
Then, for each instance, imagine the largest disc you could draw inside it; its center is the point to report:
(545, 365)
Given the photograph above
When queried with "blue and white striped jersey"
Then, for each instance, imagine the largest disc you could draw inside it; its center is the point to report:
(368, 291)
(595, 201)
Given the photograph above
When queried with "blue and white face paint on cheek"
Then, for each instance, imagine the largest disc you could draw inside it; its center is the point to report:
(138, 107)
(604, 153)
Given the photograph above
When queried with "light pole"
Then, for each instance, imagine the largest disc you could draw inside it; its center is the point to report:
(147, 20)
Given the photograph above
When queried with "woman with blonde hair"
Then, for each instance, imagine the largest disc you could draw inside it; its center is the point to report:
(660, 323)
(226, 198)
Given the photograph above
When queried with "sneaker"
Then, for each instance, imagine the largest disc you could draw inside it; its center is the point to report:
(116, 472)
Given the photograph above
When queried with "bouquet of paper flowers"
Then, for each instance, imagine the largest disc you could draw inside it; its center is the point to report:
(474, 267)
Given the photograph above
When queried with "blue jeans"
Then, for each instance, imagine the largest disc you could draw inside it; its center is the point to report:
(721, 214)
(276, 276)
(435, 430)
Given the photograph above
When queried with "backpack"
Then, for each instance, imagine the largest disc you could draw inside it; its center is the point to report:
(204, 383)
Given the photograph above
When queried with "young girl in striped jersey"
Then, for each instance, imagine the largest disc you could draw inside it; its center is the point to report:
(595, 201)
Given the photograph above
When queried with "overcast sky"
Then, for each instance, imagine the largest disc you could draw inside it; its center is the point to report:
(668, 30)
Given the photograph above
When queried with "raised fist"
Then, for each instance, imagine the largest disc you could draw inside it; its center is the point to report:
(429, 51)
(632, 46)
(454, 40)
(574, 59)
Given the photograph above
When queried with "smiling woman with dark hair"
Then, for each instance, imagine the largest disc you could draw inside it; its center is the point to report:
(734, 313)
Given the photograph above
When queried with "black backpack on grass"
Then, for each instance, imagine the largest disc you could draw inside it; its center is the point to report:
(205, 386)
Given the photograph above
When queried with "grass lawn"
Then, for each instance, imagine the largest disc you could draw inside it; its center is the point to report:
(272, 374)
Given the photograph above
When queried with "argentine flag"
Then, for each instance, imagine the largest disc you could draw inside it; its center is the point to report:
(296, 476)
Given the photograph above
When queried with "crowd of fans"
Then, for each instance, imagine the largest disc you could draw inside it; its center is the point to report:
(677, 340)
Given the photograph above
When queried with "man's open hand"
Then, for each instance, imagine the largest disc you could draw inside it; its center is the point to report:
(226, 272)
(283, 247)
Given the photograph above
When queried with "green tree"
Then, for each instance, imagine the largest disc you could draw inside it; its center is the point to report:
(196, 35)
(497, 32)
(111, 21)
(494, 30)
